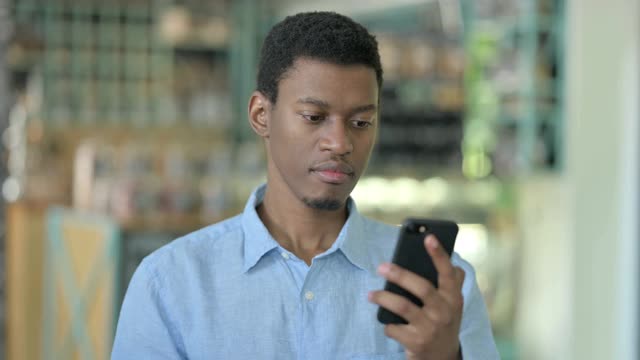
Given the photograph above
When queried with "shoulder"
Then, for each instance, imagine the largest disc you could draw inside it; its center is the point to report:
(197, 248)
(380, 238)
(379, 227)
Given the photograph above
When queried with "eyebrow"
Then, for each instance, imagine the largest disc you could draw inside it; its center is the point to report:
(364, 108)
(313, 101)
(325, 105)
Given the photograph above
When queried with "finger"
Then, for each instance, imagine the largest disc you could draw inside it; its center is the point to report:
(408, 337)
(452, 291)
(454, 295)
(435, 306)
(420, 287)
(398, 305)
(440, 312)
(446, 271)
(460, 274)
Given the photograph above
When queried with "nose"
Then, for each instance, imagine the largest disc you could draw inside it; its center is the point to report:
(337, 138)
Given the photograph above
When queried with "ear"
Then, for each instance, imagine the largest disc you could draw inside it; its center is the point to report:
(259, 110)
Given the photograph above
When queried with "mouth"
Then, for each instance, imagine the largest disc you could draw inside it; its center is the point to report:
(334, 172)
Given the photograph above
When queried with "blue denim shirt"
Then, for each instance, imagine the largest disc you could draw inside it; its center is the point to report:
(229, 291)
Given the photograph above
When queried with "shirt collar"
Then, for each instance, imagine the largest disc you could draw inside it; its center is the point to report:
(355, 239)
(351, 241)
(257, 240)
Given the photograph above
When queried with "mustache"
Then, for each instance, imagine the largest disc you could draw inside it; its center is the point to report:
(332, 165)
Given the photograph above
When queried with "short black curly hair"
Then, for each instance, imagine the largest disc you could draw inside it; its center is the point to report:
(325, 36)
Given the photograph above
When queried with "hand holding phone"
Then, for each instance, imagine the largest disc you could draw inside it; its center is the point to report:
(410, 253)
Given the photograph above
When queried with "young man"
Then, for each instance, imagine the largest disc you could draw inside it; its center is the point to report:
(298, 274)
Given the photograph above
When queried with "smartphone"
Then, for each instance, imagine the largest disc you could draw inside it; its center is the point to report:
(411, 254)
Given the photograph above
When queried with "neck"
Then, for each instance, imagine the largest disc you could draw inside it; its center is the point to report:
(302, 230)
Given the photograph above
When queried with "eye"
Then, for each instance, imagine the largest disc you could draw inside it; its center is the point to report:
(361, 124)
(313, 118)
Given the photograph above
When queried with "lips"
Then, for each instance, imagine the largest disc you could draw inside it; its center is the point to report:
(333, 172)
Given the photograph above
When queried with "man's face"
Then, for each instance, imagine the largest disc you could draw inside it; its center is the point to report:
(321, 131)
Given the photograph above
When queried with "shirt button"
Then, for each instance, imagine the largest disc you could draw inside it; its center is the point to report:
(285, 255)
(308, 295)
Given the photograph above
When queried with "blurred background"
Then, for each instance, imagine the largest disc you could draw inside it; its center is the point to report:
(123, 126)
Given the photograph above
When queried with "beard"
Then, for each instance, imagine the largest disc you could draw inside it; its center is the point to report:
(323, 204)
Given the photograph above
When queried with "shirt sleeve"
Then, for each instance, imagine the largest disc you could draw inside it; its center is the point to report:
(476, 337)
(144, 329)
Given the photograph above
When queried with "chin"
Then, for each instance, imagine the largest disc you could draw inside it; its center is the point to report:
(327, 204)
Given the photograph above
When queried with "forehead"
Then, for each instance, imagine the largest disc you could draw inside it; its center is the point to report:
(338, 85)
